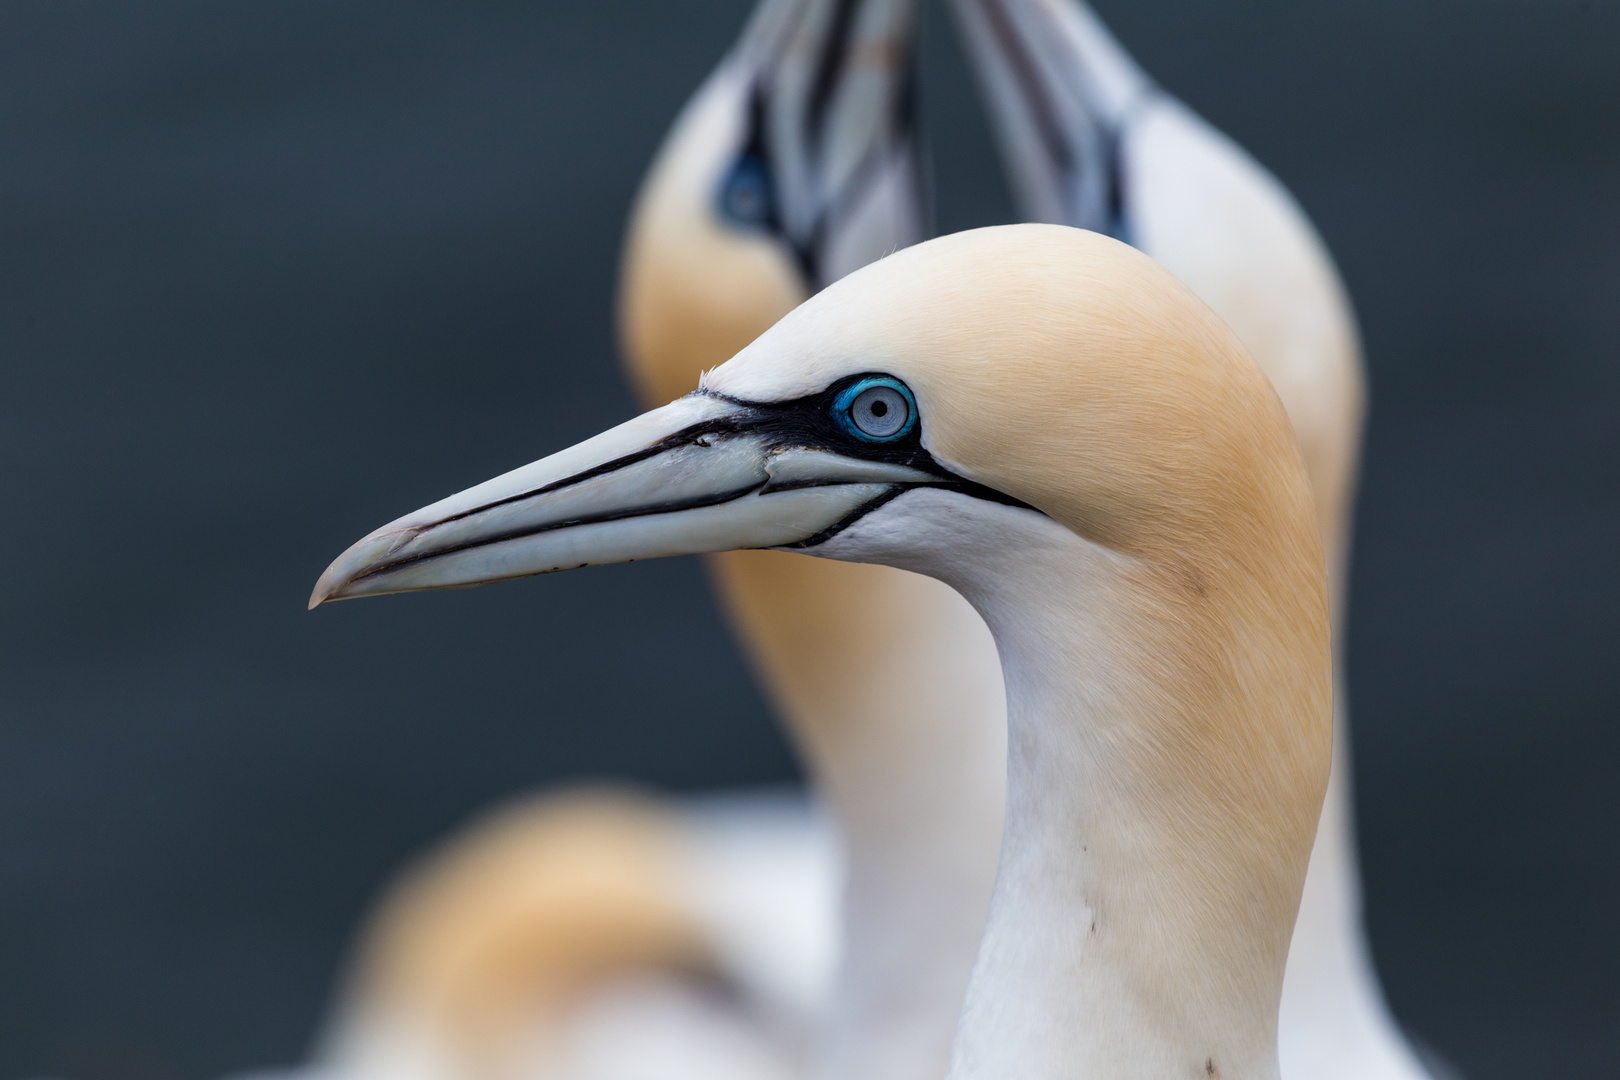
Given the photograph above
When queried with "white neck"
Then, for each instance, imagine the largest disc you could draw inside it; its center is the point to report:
(1139, 926)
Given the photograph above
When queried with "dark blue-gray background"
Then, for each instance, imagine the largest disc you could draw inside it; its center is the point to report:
(273, 273)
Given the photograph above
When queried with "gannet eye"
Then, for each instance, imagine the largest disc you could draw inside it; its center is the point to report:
(746, 195)
(878, 409)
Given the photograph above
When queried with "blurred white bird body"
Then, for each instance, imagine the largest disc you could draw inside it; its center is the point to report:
(1052, 424)
(599, 934)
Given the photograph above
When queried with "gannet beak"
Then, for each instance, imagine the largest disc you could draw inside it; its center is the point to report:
(698, 475)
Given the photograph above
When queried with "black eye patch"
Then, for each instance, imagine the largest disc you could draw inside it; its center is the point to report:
(820, 422)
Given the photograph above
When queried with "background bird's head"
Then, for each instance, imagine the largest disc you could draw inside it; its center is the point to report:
(795, 163)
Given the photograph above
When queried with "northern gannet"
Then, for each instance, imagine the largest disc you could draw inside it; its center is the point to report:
(1088, 140)
(1053, 425)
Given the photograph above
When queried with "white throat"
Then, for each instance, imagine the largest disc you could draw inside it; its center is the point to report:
(1120, 941)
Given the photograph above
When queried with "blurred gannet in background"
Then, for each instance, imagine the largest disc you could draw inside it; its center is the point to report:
(1054, 425)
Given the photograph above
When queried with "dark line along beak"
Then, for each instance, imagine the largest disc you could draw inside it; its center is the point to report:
(698, 475)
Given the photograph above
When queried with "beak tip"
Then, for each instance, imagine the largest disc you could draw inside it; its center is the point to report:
(361, 556)
(327, 588)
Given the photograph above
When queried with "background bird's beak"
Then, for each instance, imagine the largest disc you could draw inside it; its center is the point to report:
(833, 114)
(700, 474)
(1059, 89)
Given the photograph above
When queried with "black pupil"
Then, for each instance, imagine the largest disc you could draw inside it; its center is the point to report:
(880, 408)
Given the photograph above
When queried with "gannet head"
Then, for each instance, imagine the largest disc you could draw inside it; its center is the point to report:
(795, 163)
(1038, 370)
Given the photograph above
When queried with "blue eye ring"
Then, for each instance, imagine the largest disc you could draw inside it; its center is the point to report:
(844, 408)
